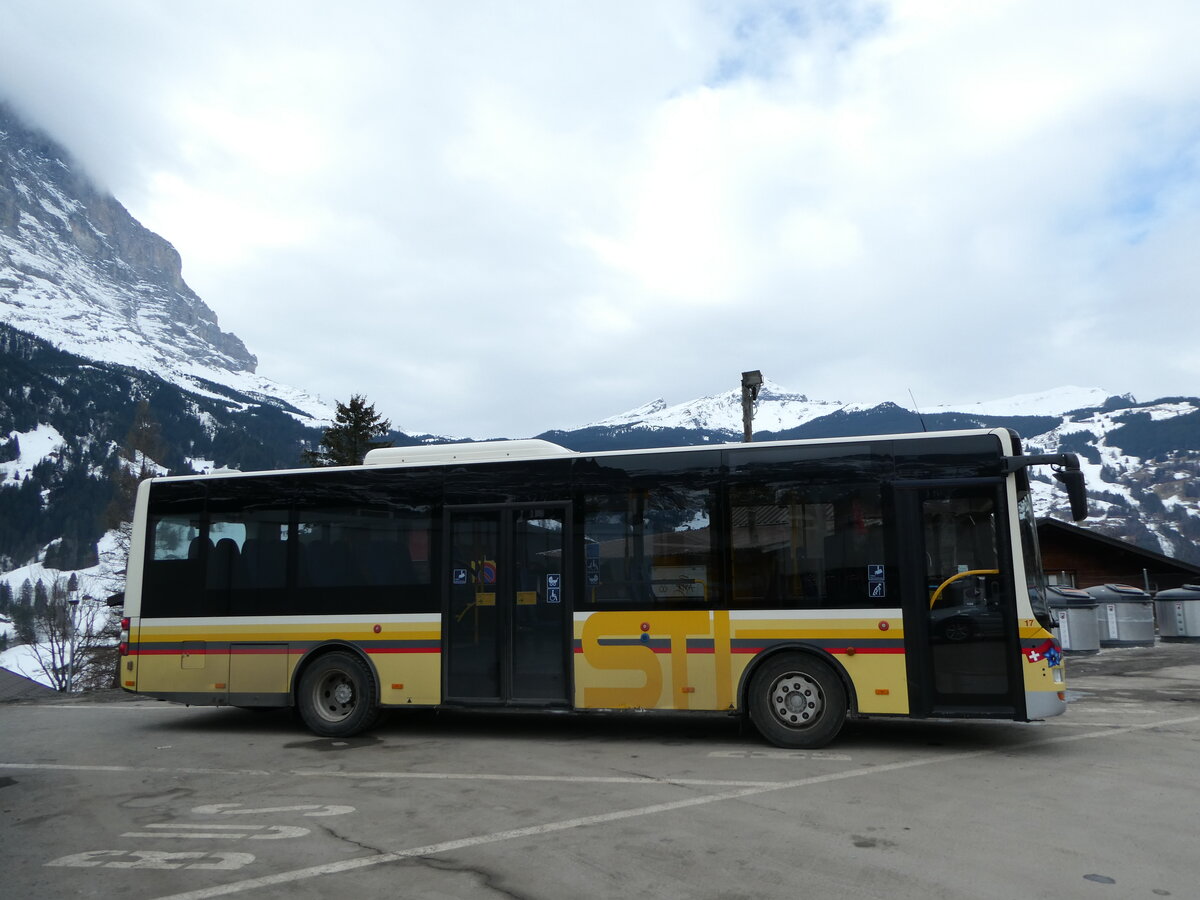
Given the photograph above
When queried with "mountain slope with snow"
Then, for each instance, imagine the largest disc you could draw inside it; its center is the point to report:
(76, 269)
(780, 410)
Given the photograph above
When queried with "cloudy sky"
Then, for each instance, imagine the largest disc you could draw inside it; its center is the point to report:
(494, 218)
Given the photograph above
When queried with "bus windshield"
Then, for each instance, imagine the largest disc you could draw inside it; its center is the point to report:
(1035, 578)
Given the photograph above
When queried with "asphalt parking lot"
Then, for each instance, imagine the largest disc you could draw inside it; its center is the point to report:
(116, 795)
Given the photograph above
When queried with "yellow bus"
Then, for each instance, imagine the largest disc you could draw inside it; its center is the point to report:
(793, 582)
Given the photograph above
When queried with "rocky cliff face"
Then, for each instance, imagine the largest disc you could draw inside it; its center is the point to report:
(77, 269)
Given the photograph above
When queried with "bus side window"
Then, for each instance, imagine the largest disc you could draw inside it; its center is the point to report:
(371, 559)
(854, 546)
(804, 546)
(777, 549)
(175, 569)
(247, 571)
(650, 547)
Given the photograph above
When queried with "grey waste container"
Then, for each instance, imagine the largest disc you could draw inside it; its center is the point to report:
(1124, 615)
(1178, 611)
(1075, 612)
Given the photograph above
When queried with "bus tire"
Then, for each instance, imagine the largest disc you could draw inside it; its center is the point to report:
(797, 701)
(337, 696)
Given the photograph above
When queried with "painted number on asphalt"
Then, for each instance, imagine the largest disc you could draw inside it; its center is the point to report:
(212, 831)
(153, 859)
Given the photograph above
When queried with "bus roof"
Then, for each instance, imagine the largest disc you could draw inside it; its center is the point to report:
(535, 448)
(490, 451)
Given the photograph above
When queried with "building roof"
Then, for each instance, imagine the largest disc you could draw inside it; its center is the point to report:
(1158, 561)
(18, 687)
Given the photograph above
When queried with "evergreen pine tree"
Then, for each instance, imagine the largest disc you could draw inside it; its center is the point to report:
(10, 450)
(346, 442)
(143, 448)
(144, 444)
(41, 598)
(22, 614)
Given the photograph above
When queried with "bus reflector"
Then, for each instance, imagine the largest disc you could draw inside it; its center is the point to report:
(124, 647)
(882, 692)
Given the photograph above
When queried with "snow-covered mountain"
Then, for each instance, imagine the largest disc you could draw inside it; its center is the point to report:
(77, 270)
(1141, 462)
(779, 409)
(100, 337)
(1043, 403)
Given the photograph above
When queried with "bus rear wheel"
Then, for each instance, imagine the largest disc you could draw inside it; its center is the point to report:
(797, 701)
(337, 696)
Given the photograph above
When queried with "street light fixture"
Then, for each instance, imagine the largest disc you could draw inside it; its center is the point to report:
(751, 383)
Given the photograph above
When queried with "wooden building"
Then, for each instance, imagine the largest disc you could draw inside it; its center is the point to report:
(1078, 557)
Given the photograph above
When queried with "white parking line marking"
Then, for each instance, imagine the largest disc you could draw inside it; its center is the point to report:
(308, 809)
(567, 824)
(106, 707)
(566, 779)
(219, 832)
(778, 754)
(434, 776)
(64, 767)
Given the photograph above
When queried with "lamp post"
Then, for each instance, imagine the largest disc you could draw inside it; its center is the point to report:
(751, 383)
(72, 602)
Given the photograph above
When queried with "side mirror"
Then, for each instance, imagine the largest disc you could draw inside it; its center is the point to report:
(1072, 480)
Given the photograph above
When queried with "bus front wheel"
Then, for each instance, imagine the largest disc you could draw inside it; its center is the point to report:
(797, 701)
(337, 696)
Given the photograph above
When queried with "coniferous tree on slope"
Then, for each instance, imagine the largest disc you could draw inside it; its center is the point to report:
(355, 430)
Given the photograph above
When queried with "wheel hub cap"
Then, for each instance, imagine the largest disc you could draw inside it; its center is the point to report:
(796, 700)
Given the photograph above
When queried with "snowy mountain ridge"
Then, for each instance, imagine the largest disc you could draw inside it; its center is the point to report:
(780, 409)
(79, 271)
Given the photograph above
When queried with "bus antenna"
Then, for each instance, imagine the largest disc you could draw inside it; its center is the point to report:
(917, 410)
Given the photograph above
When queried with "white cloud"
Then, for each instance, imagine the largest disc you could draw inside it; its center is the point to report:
(496, 219)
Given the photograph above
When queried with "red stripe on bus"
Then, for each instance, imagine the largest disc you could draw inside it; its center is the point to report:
(857, 650)
(752, 650)
(243, 651)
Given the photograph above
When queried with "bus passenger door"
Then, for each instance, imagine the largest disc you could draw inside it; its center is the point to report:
(960, 617)
(505, 636)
